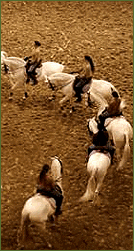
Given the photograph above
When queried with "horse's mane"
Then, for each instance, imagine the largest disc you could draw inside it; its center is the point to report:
(15, 61)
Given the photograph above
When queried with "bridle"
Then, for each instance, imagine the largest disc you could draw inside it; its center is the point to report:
(9, 71)
(58, 179)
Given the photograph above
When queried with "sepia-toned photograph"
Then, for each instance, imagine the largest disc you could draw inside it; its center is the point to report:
(67, 125)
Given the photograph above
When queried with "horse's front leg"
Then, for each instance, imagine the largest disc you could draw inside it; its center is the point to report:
(63, 101)
(12, 86)
(89, 101)
(96, 200)
(85, 100)
(25, 91)
(71, 104)
(44, 233)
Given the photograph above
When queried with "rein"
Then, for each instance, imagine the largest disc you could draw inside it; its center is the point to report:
(56, 87)
(58, 179)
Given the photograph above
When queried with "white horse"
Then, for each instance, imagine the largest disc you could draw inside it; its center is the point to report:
(99, 91)
(38, 209)
(97, 166)
(17, 72)
(121, 132)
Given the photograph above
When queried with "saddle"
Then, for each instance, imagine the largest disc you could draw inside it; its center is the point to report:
(108, 150)
(82, 84)
(105, 152)
(31, 66)
(50, 200)
(57, 190)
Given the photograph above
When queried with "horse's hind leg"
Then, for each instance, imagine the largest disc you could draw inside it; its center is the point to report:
(23, 233)
(89, 194)
(44, 234)
(99, 184)
(125, 155)
(96, 200)
(118, 153)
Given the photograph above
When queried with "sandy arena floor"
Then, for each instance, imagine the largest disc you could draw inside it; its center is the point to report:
(34, 130)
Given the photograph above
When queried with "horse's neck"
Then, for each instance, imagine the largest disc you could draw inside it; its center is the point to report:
(59, 183)
(14, 63)
(56, 172)
(58, 179)
(16, 59)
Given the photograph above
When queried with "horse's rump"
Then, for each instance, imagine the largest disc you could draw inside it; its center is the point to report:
(61, 79)
(50, 68)
(106, 153)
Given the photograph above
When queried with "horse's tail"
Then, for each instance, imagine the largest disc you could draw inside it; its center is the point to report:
(89, 59)
(91, 186)
(93, 181)
(126, 151)
(23, 233)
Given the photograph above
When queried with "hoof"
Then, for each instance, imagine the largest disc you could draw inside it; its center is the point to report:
(83, 199)
(64, 114)
(25, 96)
(73, 109)
(22, 247)
(119, 168)
(51, 98)
(11, 96)
(49, 245)
(51, 218)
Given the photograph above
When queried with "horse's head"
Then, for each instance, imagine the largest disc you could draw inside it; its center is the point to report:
(56, 168)
(4, 66)
(88, 127)
(3, 55)
(92, 126)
